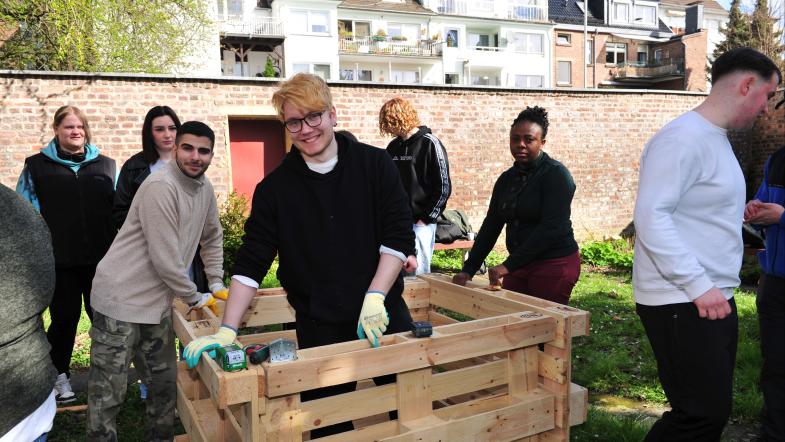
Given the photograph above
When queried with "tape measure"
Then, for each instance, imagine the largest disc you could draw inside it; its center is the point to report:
(230, 357)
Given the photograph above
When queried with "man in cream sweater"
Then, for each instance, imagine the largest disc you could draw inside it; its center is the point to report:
(688, 249)
(136, 282)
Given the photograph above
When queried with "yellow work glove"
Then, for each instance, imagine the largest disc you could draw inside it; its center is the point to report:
(219, 291)
(373, 318)
(193, 351)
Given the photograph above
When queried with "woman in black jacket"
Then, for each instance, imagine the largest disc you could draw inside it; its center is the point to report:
(532, 198)
(158, 135)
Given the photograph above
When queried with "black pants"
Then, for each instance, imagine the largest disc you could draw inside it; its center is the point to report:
(71, 285)
(771, 317)
(695, 360)
(311, 333)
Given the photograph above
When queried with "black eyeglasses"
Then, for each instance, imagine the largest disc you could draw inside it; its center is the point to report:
(296, 124)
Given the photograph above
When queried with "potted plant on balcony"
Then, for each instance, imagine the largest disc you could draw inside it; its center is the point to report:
(380, 35)
(345, 34)
(398, 38)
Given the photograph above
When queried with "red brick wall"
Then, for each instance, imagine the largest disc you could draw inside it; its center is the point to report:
(598, 135)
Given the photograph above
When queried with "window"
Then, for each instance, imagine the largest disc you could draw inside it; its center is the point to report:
(309, 22)
(563, 72)
(452, 79)
(528, 43)
(658, 55)
(590, 53)
(231, 8)
(643, 54)
(362, 29)
(621, 12)
(529, 81)
(484, 80)
(645, 15)
(482, 40)
(322, 70)
(403, 31)
(351, 74)
(405, 77)
(615, 53)
(451, 37)
(563, 39)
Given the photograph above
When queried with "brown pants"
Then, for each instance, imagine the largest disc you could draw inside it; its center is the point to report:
(551, 279)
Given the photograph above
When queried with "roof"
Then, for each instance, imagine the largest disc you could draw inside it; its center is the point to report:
(707, 4)
(407, 6)
(567, 12)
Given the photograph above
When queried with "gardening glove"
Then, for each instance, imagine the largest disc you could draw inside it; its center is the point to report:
(204, 300)
(219, 291)
(193, 351)
(373, 318)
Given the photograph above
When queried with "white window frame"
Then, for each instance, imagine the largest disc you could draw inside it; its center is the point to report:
(457, 74)
(615, 18)
(528, 38)
(478, 36)
(409, 30)
(402, 73)
(618, 48)
(448, 31)
(638, 14)
(590, 53)
(559, 64)
(525, 81)
(311, 68)
(644, 51)
(568, 40)
(309, 14)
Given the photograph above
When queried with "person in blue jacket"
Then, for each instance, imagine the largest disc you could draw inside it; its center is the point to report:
(72, 185)
(766, 213)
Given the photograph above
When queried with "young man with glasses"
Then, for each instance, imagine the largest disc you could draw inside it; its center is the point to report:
(173, 211)
(337, 216)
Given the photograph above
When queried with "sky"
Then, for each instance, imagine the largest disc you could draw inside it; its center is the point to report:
(749, 5)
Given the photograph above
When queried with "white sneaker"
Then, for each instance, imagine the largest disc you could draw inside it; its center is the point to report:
(63, 392)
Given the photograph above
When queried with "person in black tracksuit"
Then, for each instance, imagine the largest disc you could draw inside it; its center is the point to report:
(72, 185)
(336, 215)
(425, 172)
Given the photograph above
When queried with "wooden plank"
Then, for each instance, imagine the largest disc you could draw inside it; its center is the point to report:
(199, 418)
(282, 419)
(434, 427)
(579, 404)
(417, 297)
(415, 397)
(365, 434)
(266, 310)
(348, 406)
(436, 319)
(529, 415)
(306, 374)
(522, 366)
(469, 379)
(552, 368)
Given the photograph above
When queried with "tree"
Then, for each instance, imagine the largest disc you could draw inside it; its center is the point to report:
(764, 35)
(736, 32)
(101, 35)
(269, 68)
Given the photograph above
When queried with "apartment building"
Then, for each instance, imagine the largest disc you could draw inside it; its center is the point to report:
(628, 46)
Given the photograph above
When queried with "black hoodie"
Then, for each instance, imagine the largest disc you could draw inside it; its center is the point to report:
(425, 173)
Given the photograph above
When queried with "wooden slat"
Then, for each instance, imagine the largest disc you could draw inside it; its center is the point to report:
(522, 367)
(552, 368)
(438, 319)
(579, 404)
(306, 374)
(199, 418)
(529, 415)
(282, 420)
(415, 397)
(266, 310)
(417, 297)
(365, 434)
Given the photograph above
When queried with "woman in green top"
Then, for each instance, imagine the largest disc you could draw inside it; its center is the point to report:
(532, 198)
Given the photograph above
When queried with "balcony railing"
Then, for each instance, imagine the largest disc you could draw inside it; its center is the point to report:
(385, 46)
(657, 69)
(257, 27)
(510, 9)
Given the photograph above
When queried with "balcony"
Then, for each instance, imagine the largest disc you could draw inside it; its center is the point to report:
(386, 46)
(524, 10)
(662, 70)
(263, 27)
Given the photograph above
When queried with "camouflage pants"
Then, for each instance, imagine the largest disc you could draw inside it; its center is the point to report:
(114, 342)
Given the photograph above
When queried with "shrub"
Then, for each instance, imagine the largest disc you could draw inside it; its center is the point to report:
(233, 214)
(616, 254)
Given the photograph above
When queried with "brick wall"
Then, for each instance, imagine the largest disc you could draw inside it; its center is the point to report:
(598, 135)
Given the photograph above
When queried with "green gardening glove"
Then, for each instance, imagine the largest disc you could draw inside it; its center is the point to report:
(373, 318)
(193, 351)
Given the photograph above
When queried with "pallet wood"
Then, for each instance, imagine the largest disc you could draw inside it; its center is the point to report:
(497, 367)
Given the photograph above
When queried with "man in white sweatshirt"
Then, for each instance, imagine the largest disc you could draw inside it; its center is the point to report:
(688, 249)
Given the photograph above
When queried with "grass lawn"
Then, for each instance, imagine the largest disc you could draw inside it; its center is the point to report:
(614, 362)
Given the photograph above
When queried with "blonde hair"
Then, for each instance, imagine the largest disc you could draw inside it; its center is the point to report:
(304, 91)
(397, 117)
(64, 111)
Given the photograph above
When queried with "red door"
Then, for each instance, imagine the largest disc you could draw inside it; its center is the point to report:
(257, 148)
